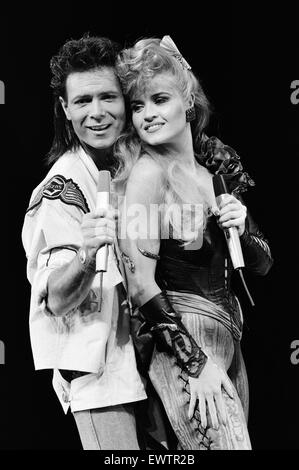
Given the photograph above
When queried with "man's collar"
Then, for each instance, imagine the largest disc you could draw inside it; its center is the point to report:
(103, 159)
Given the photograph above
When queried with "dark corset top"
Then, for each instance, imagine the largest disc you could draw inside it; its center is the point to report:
(205, 271)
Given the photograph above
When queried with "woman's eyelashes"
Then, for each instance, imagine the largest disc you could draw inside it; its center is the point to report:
(161, 99)
(137, 106)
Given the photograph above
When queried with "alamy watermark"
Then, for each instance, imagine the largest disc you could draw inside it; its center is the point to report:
(2, 353)
(295, 94)
(295, 354)
(161, 221)
(2, 92)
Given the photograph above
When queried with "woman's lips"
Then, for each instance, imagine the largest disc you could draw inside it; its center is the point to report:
(153, 127)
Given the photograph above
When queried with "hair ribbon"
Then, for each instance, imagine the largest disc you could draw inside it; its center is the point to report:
(168, 44)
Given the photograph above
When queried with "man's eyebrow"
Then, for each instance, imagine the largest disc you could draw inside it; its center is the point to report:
(109, 92)
(102, 93)
(77, 97)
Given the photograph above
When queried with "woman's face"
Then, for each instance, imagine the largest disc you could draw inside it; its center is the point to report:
(158, 111)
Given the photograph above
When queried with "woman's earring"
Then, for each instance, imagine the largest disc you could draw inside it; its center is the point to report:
(190, 114)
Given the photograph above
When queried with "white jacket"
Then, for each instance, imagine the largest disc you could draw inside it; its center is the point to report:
(84, 339)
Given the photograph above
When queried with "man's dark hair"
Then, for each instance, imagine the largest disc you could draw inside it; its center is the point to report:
(76, 55)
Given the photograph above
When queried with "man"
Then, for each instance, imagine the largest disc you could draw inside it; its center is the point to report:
(78, 327)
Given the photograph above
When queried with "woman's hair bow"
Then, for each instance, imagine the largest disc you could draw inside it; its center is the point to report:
(168, 44)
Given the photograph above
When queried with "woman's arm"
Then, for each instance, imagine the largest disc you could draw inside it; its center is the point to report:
(140, 215)
(256, 251)
(139, 223)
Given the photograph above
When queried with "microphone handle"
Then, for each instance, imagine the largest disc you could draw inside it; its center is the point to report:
(233, 241)
(103, 200)
(231, 234)
(234, 247)
(102, 259)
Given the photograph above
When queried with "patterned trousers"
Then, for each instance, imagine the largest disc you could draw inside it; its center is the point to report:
(172, 386)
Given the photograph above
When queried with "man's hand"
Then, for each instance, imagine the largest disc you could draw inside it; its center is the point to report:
(98, 229)
(232, 213)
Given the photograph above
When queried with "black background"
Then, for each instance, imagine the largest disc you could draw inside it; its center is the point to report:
(246, 58)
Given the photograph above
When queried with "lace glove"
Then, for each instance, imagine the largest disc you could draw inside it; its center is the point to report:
(171, 335)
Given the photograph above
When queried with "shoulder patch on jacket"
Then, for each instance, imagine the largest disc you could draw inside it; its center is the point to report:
(58, 187)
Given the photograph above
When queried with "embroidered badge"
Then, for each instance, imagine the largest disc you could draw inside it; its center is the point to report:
(58, 187)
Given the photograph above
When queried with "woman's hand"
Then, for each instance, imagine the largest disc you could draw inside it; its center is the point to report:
(207, 390)
(232, 213)
(98, 229)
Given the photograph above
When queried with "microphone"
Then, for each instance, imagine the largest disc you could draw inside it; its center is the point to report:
(103, 201)
(231, 234)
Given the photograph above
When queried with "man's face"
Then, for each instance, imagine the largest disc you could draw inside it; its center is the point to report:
(95, 105)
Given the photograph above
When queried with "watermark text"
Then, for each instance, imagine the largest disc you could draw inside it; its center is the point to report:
(295, 94)
(161, 221)
(2, 353)
(295, 354)
(2, 92)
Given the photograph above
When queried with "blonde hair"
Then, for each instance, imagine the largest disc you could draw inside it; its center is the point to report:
(135, 67)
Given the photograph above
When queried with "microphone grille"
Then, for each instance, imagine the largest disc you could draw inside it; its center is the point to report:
(104, 181)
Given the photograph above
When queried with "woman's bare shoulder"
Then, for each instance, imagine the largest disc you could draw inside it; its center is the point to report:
(146, 167)
(145, 180)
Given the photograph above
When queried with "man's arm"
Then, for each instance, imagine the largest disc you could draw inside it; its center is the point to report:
(69, 285)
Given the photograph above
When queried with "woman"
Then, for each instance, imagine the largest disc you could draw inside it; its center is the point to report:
(176, 257)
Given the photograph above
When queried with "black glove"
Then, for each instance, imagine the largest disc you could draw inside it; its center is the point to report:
(171, 335)
(255, 247)
(143, 341)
